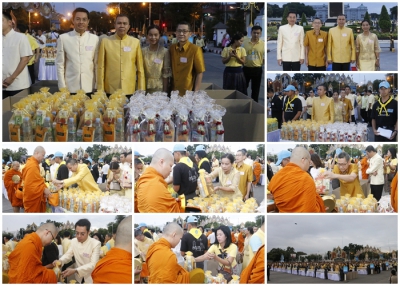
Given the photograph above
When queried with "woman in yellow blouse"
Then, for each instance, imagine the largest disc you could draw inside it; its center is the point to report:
(157, 63)
(367, 49)
(233, 57)
(246, 257)
(229, 177)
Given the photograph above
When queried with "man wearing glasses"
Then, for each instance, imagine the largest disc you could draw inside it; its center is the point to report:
(86, 251)
(315, 43)
(187, 62)
(246, 174)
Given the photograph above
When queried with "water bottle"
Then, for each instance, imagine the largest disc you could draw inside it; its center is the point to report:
(98, 131)
(71, 130)
(79, 133)
(49, 132)
(119, 131)
(27, 130)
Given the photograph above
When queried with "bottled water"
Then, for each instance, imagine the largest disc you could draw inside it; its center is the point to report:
(71, 130)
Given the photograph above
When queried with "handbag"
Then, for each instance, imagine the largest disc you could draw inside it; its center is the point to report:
(225, 271)
(115, 186)
(391, 176)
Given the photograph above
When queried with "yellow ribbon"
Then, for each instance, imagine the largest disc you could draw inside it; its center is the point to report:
(202, 161)
(289, 102)
(383, 106)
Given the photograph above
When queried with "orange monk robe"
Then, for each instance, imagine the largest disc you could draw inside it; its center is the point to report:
(34, 201)
(364, 167)
(114, 268)
(240, 243)
(257, 172)
(11, 187)
(152, 194)
(393, 193)
(294, 191)
(26, 262)
(233, 238)
(163, 265)
(135, 203)
(254, 273)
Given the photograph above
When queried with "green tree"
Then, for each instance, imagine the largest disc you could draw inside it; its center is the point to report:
(275, 254)
(384, 20)
(96, 150)
(284, 16)
(300, 8)
(366, 17)
(375, 84)
(303, 20)
(386, 147)
(16, 156)
(393, 12)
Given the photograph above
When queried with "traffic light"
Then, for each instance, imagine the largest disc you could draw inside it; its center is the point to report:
(163, 25)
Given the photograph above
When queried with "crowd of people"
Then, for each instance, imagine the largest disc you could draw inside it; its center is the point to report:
(318, 49)
(24, 183)
(41, 256)
(300, 168)
(160, 185)
(378, 111)
(85, 61)
(162, 257)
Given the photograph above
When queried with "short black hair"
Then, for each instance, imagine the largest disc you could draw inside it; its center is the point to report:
(66, 234)
(316, 18)
(226, 230)
(342, 15)
(256, 28)
(72, 161)
(123, 15)
(292, 12)
(22, 28)
(154, 27)
(322, 86)
(242, 151)
(80, 9)
(269, 90)
(229, 157)
(114, 166)
(250, 229)
(83, 222)
(184, 23)
(370, 148)
(7, 16)
(345, 156)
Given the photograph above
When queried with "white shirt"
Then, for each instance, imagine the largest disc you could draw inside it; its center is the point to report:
(290, 43)
(53, 170)
(86, 257)
(351, 97)
(303, 101)
(376, 164)
(105, 168)
(249, 162)
(16, 46)
(77, 61)
(371, 99)
(315, 172)
(43, 39)
(211, 238)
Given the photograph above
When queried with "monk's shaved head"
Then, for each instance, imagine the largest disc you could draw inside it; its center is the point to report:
(162, 161)
(15, 165)
(39, 149)
(162, 153)
(39, 153)
(47, 232)
(49, 226)
(173, 233)
(301, 157)
(123, 238)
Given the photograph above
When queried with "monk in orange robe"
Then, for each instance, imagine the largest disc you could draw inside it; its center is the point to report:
(254, 273)
(152, 190)
(257, 169)
(35, 190)
(233, 238)
(293, 188)
(240, 242)
(26, 259)
(162, 262)
(116, 266)
(12, 186)
(393, 194)
(364, 167)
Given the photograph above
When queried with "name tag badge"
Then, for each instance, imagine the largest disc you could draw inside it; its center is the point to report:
(390, 110)
(344, 35)
(320, 40)
(296, 34)
(228, 182)
(273, 104)
(157, 61)
(322, 104)
(89, 48)
(183, 60)
(87, 255)
(241, 173)
(370, 41)
(344, 104)
(127, 49)
(292, 104)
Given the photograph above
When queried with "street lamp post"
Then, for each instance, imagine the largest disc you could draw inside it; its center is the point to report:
(144, 3)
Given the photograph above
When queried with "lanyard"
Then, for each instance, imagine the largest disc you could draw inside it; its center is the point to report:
(383, 106)
(289, 102)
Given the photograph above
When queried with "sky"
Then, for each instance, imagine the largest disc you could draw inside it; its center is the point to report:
(372, 7)
(149, 149)
(52, 147)
(160, 221)
(15, 222)
(276, 148)
(321, 233)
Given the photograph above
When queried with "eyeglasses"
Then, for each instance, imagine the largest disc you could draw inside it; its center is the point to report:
(182, 31)
(342, 164)
(51, 234)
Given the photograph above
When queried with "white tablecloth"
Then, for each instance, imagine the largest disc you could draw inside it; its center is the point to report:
(288, 271)
(310, 273)
(321, 274)
(362, 271)
(47, 72)
(302, 272)
(333, 276)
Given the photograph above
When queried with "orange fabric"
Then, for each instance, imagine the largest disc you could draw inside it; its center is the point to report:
(163, 265)
(34, 201)
(254, 273)
(11, 187)
(152, 194)
(364, 167)
(257, 172)
(294, 191)
(240, 242)
(26, 263)
(393, 193)
(233, 237)
(145, 270)
(135, 203)
(114, 268)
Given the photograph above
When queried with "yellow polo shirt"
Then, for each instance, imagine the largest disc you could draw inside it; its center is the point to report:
(316, 47)
(341, 48)
(246, 176)
(255, 53)
(120, 65)
(322, 109)
(186, 64)
(233, 62)
(34, 45)
(84, 178)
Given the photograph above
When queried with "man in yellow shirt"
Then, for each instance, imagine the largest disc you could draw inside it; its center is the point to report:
(81, 176)
(322, 107)
(187, 62)
(315, 44)
(142, 242)
(120, 61)
(341, 48)
(246, 174)
(255, 50)
(347, 106)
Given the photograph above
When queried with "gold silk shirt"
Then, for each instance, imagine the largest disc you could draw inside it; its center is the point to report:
(322, 109)
(338, 108)
(341, 48)
(120, 65)
(347, 108)
(157, 66)
(367, 46)
(316, 47)
(186, 65)
(351, 188)
(83, 178)
(246, 176)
